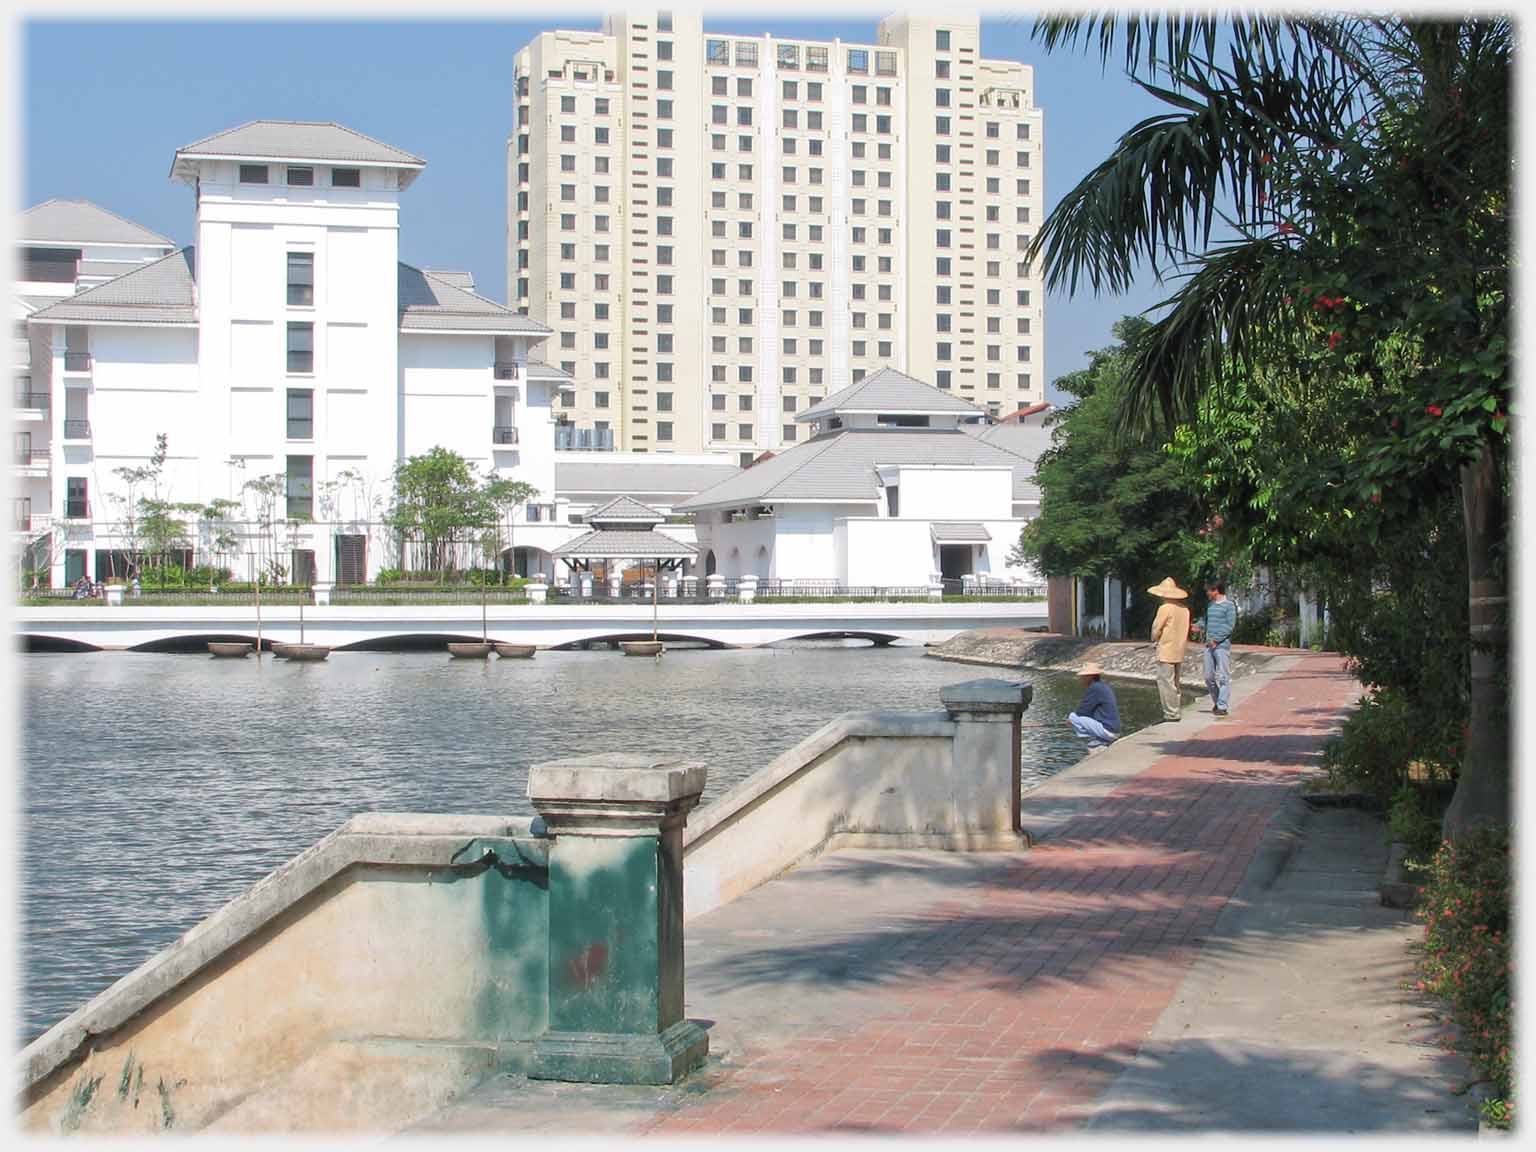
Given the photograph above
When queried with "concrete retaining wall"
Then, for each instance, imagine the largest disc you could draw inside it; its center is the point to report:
(391, 927)
(946, 780)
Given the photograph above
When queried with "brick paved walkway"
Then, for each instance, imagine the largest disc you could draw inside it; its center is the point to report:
(1014, 1007)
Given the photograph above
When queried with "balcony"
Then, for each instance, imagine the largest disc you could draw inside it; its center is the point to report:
(569, 438)
(77, 361)
(32, 401)
(508, 370)
(32, 461)
(77, 429)
(504, 435)
(77, 509)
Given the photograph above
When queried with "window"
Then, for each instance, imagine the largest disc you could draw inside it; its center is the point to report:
(941, 182)
(253, 173)
(664, 81)
(717, 51)
(883, 97)
(301, 414)
(943, 322)
(941, 99)
(744, 87)
(942, 378)
(717, 431)
(663, 49)
(941, 40)
(567, 105)
(301, 347)
(790, 431)
(664, 21)
(301, 177)
(600, 135)
(945, 351)
(992, 130)
(663, 197)
(791, 118)
(941, 153)
(600, 106)
(599, 399)
(663, 313)
(346, 177)
(568, 133)
(1022, 131)
(568, 193)
(789, 56)
(746, 54)
(567, 281)
(567, 163)
(663, 109)
(568, 310)
(567, 251)
(301, 487)
(744, 373)
(744, 431)
(301, 279)
(858, 60)
(883, 125)
(815, 59)
(885, 63)
(718, 113)
(941, 69)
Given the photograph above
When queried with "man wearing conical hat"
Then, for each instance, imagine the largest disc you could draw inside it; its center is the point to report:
(1170, 630)
(1098, 717)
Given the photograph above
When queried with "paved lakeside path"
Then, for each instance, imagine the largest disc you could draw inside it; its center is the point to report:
(1022, 649)
(1187, 947)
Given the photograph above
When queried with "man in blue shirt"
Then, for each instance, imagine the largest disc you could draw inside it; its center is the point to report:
(1098, 717)
(1220, 619)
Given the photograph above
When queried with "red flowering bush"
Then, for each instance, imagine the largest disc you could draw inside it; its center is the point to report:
(1465, 906)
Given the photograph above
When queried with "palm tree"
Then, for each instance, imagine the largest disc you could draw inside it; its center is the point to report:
(1359, 169)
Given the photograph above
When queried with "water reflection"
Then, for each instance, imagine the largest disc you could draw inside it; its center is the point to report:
(159, 787)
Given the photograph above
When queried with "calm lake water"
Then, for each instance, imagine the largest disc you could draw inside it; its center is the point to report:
(158, 787)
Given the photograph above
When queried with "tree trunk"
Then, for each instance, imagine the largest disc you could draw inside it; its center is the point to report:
(1483, 787)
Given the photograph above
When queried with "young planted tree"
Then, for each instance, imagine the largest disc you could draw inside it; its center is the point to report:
(1363, 167)
(504, 497)
(268, 496)
(438, 506)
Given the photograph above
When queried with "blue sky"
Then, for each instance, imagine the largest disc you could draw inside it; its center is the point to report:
(105, 106)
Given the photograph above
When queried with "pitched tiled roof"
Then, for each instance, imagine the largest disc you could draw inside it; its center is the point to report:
(624, 510)
(958, 532)
(163, 292)
(299, 140)
(889, 391)
(458, 279)
(658, 476)
(840, 466)
(79, 222)
(430, 304)
(1027, 440)
(620, 542)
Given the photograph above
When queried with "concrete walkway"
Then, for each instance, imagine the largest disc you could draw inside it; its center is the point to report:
(1187, 947)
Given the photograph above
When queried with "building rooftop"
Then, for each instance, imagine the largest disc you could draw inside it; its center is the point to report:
(890, 392)
(73, 223)
(429, 303)
(162, 292)
(294, 140)
(462, 280)
(655, 475)
(841, 467)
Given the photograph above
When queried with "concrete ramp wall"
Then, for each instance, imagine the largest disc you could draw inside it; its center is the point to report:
(947, 779)
(409, 949)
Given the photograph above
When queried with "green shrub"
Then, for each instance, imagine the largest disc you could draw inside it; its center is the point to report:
(386, 576)
(1382, 738)
(1253, 628)
(1465, 961)
(1413, 820)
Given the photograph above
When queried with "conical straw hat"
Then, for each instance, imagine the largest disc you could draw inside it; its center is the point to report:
(1168, 590)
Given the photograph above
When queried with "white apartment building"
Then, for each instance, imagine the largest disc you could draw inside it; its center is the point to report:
(724, 229)
(290, 342)
(66, 246)
(897, 483)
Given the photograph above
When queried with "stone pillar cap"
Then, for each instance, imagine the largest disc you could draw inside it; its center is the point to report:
(616, 778)
(986, 696)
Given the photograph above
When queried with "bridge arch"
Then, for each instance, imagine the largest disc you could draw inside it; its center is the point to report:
(878, 639)
(617, 637)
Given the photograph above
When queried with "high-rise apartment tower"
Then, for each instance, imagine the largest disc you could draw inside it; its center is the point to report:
(722, 229)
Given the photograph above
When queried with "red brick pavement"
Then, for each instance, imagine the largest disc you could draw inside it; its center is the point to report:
(1015, 1010)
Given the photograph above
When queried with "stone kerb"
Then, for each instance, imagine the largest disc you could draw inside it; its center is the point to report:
(616, 919)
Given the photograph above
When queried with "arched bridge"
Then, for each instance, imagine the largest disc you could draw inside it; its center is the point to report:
(550, 626)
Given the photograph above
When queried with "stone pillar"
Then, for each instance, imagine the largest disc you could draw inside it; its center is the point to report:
(746, 589)
(537, 592)
(716, 586)
(669, 586)
(615, 583)
(988, 721)
(114, 595)
(616, 919)
(323, 594)
(586, 585)
(935, 586)
(690, 586)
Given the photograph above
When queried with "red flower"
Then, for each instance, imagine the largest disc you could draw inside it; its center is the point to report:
(1395, 423)
(1434, 410)
(1375, 497)
(1266, 158)
(1287, 228)
(1288, 300)
(1499, 415)
(1334, 339)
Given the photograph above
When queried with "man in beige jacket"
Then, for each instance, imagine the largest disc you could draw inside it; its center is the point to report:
(1170, 631)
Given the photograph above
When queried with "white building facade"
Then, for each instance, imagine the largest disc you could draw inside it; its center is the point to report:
(288, 343)
(898, 484)
(862, 206)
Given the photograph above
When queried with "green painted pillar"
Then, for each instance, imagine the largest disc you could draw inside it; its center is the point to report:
(616, 919)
